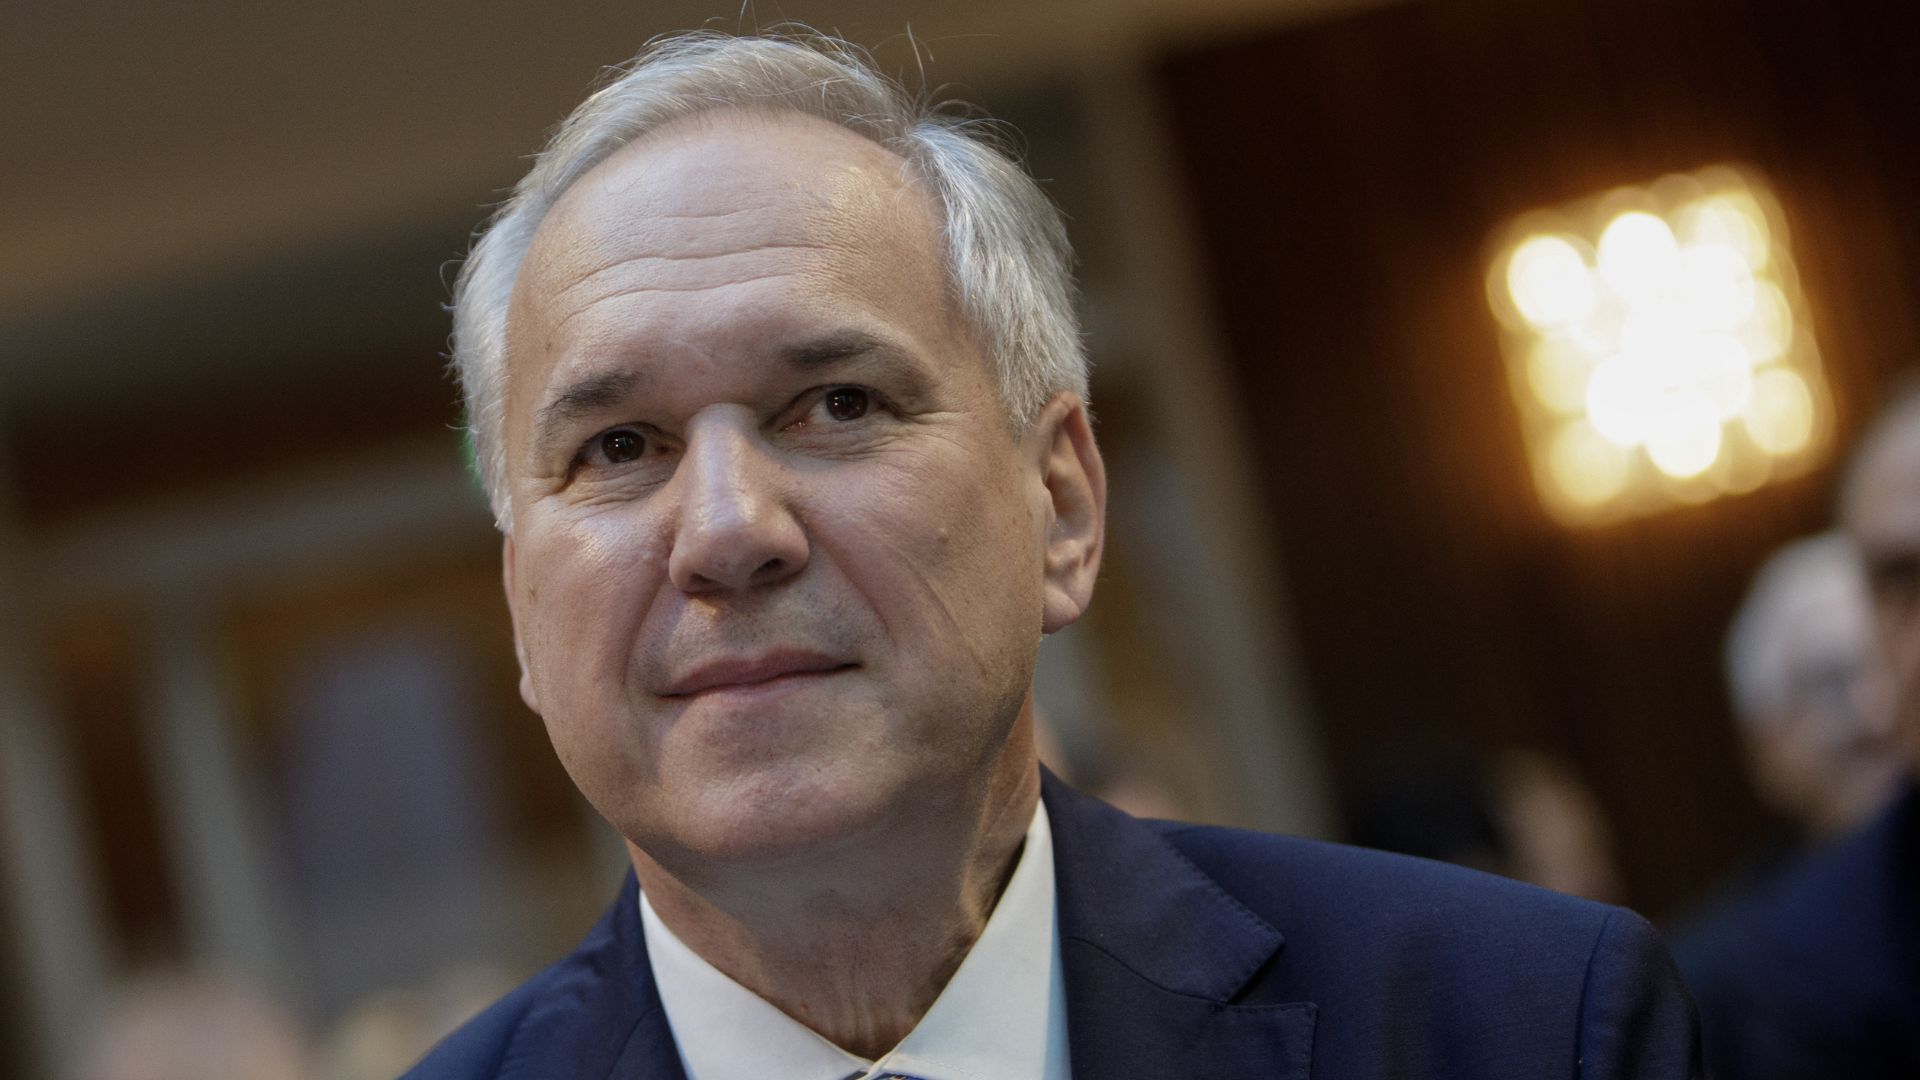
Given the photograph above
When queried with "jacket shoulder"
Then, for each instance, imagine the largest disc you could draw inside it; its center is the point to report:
(1414, 963)
(1287, 879)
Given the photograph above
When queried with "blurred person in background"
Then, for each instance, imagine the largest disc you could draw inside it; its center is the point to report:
(1560, 836)
(1817, 973)
(778, 388)
(193, 1026)
(1811, 696)
(1527, 815)
(1810, 692)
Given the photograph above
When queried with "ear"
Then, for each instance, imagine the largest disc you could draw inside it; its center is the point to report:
(513, 609)
(1076, 488)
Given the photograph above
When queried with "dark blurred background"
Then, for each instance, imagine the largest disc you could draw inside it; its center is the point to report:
(257, 708)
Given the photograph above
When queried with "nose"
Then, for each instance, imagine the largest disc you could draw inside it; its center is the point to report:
(736, 529)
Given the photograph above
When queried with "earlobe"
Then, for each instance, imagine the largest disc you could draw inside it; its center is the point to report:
(1076, 486)
(513, 609)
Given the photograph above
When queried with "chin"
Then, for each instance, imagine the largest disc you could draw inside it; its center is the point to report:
(775, 815)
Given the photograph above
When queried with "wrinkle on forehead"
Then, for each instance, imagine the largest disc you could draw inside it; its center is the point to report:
(689, 206)
(690, 184)
(614, 292)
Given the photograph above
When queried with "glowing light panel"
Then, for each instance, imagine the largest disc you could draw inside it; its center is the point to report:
(1658, 346)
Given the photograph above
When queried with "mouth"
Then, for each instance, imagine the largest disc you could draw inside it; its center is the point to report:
(755, 674)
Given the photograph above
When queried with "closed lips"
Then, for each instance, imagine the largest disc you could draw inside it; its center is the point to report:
(731, 673)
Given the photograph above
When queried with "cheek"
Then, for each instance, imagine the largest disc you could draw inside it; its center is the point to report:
(951, 554)
(585, 588)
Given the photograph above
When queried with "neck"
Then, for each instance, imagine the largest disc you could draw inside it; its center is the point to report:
(858, 953)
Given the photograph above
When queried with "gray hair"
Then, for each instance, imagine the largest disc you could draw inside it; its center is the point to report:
(1008, 261)
(1793, 582)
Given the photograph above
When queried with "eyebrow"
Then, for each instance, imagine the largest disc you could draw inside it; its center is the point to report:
(825, 350)
(599, 391)
(873, 353)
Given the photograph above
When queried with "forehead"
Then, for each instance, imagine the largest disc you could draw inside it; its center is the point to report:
(1830, 619)
(719, 193)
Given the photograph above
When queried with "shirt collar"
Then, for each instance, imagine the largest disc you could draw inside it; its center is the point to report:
(1003, 1014)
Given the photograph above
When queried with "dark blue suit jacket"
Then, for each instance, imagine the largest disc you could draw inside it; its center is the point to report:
(1816, 973)
(1202, 952)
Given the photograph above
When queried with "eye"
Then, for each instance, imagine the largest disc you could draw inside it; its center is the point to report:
(836, 413)
(617, 447)
(846, 403)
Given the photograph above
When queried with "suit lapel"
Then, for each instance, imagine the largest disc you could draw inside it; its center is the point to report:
(1157, 959)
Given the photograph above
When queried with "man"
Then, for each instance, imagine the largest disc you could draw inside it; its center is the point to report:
(1817, 974)
(1808, 690)
(780, 398)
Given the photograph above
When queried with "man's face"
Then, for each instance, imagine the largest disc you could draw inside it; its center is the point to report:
(778, 563)
(1882, 512)
(1822, 753)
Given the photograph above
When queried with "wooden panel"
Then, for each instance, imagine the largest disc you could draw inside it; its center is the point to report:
(1348, 176)
(95, 680)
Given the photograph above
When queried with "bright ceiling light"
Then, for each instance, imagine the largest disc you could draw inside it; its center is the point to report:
(1659, 347)
(1550, 282)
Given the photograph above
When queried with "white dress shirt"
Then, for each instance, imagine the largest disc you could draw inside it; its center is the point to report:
(1003, 1015)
